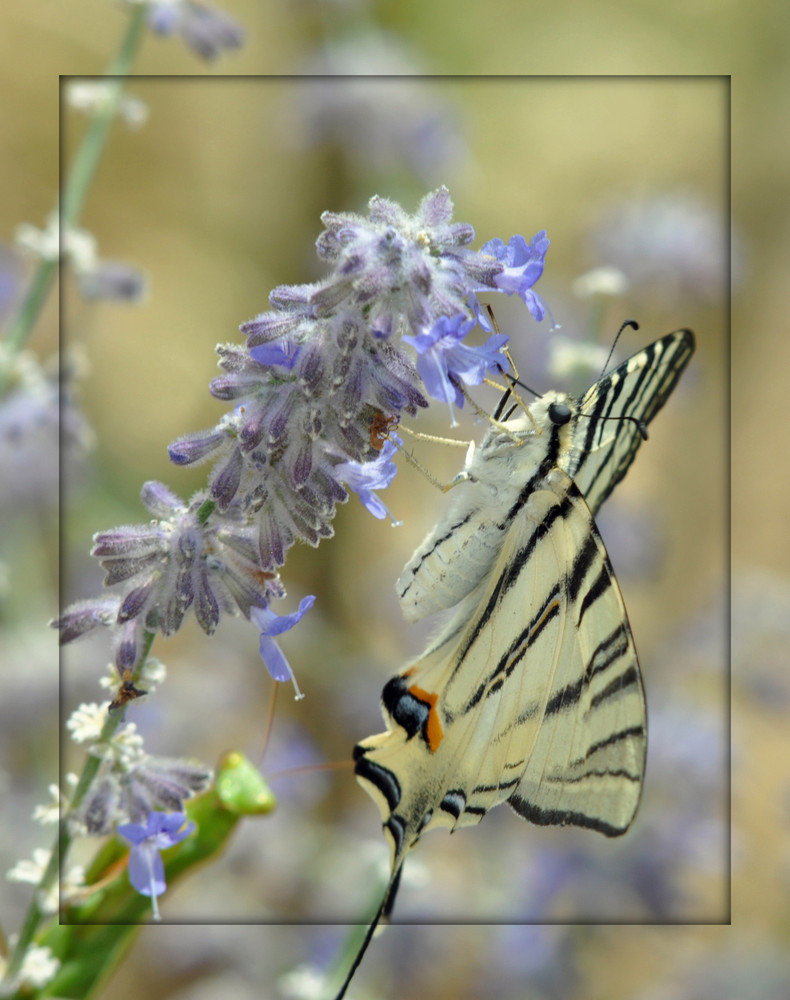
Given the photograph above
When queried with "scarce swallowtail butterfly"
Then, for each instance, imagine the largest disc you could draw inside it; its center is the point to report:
(531, 693)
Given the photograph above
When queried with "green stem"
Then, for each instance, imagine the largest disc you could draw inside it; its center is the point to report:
(61, 846)
(75, 190)
(91, 936)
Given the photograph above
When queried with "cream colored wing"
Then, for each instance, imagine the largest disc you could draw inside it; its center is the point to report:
(594, 444)
(531, 695)
(607, 430)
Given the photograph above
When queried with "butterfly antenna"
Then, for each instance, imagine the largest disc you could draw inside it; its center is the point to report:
(628, 323)
(384, 910)
(513, 381)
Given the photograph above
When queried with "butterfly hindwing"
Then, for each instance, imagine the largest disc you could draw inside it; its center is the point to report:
(587, 764)
(534, 698)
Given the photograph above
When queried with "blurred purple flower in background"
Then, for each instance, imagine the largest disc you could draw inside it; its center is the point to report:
(670, 243)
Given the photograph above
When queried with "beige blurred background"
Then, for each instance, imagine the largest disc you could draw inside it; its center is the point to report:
(217, 198)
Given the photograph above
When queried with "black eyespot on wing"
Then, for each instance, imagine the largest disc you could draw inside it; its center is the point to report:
(408, 710)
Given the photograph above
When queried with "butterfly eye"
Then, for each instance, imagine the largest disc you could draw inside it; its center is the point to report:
(559, 413)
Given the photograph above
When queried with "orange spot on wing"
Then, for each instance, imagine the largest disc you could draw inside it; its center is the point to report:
(433, 730)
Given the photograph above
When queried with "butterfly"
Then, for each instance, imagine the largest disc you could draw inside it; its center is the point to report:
(531, 692)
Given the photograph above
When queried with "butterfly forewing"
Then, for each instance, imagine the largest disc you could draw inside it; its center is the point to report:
(604, 443)
(595, 449)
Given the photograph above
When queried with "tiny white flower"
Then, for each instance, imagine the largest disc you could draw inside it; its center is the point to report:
(30, 870)
(151, 675)
(600, 281)
(44, 243)
(154, 672)
(568, 358)
(305, 982)
(38, 966)
(128, 741)
(72, 882)
(85, 722)
(125, 747)
(48, 900)
(49, 812)
(78, 244)
(92, 97)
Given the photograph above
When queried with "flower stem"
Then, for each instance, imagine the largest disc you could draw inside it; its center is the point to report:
(61, 847)
(74, 192)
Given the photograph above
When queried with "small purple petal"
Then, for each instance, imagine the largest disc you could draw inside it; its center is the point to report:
(442, 359)
(365, 477)
(432, 366)
(271, 624)
(160, 831)
(523, 267)
(283, 353)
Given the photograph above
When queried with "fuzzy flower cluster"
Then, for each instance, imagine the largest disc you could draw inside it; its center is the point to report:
(206, 30)
(130, 783)
(315, 388)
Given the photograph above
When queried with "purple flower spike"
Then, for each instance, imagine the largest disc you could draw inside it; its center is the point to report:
(440, 354)
(272, 624)
(205, 30)
(523, 266)
(146, 868)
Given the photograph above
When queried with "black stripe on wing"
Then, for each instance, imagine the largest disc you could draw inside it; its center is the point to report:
(561, 817)
(637, 389)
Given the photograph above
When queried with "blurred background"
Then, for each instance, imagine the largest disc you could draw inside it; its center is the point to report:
(217, 198)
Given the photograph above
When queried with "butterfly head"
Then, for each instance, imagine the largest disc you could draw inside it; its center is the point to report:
(559, 413)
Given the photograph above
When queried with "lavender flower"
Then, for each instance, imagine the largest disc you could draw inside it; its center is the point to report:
(670, 244)
(205, 30)
(523, 266)
(112, 280)
(327, 357)
(442, 359)
(146, 868)
(317, 375)
(40, 421)
(366, 477)
(379, 114)
(129, 783)
(170, 565)
(272, 624)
